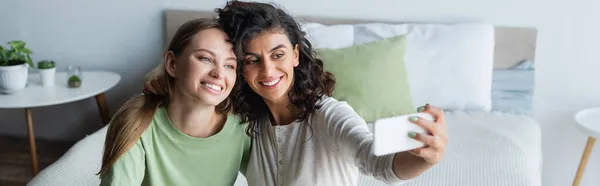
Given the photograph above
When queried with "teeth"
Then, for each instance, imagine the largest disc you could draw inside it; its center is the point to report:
(213, 86)
(271, 83)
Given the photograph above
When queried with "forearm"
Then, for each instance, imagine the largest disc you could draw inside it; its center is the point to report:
(408, 166)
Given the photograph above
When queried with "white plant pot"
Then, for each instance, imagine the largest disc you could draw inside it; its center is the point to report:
(47, 76)
(13, 78)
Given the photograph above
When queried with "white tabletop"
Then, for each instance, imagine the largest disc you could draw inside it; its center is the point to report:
(34, 95)
(588, 121)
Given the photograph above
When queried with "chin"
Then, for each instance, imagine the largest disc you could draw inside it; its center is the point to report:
(210, 99)
(214, 102)
(274, 95)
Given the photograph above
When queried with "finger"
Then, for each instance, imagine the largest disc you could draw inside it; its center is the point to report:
(442, 134)
(429, 140)
(439, 114)
(431, 127)
(426, 153)
(441, 129)
(423, 123)
(436, 112)
(416, 151)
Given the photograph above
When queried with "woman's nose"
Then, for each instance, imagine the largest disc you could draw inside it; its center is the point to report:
(216, 73)
(268, 68)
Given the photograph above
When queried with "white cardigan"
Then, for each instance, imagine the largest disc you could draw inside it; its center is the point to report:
(330, 148)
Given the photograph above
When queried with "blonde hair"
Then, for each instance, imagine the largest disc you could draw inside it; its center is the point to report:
(134, 117)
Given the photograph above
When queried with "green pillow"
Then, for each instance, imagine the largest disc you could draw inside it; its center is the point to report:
(371, 77)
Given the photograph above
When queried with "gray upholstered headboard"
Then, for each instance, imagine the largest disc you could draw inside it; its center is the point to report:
(513, 44)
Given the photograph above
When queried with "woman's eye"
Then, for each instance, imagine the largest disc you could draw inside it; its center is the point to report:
(206, 59)
(278, 56)
(251, 61)
(230, 66)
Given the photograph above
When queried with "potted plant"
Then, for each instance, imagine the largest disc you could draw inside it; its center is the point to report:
(14, 66)
(47, 69)
(74, 81)
(75, 76)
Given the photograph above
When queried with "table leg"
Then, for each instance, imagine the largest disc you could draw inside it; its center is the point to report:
(101, 101)
(584, 159)
(32, 149)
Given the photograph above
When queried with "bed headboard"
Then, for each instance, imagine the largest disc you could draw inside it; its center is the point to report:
(513, 44)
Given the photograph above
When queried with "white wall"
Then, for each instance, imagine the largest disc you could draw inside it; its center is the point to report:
(125, 36)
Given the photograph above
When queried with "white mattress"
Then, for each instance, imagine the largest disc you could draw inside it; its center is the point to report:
(484, 149)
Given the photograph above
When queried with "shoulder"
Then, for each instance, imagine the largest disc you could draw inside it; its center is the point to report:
(234, 120)
(332, 111)
(329, 105)
(159, 118)
(132, 118)
(148, 123)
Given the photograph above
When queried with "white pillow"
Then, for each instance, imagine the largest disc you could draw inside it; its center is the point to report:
(329, 36)
(449, 66)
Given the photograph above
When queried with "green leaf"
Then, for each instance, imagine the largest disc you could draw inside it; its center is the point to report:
(17, 44)
(26, 50)
(46, 64)
(12, 55)
(74, 78)
(16, 53)
(3, 55)
(30, 62)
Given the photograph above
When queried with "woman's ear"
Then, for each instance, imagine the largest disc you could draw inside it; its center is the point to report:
(296, 55)
(170, 64)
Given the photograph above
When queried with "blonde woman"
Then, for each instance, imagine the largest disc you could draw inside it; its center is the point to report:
(185, 137)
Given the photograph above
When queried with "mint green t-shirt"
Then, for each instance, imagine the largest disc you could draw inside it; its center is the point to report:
(166, 156)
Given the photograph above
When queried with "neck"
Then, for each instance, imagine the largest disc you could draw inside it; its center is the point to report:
(282, 112)
(193, 118)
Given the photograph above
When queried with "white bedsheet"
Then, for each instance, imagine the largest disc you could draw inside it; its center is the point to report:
(484, 149)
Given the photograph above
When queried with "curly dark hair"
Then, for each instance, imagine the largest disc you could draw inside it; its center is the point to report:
(242, 21)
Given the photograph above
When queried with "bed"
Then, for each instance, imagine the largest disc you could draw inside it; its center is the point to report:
(494, 141)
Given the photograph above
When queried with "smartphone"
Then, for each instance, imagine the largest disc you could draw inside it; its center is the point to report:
(391, 134)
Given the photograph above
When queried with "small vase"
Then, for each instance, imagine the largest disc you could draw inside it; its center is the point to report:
(74, 77)
(47, 76)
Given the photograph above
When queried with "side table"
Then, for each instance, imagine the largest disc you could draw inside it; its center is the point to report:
(94, 84)
(588, 122)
